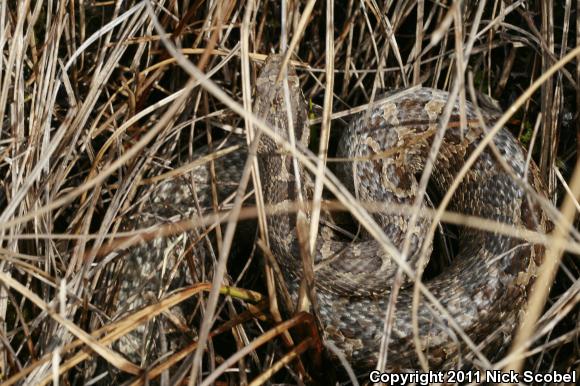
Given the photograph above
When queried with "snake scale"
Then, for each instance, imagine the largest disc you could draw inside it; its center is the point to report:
(485, 287)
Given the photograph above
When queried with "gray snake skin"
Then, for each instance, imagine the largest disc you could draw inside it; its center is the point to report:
(485, 287)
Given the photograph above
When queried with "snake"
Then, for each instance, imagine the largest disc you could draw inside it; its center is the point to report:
(386, 147)
(486, 286)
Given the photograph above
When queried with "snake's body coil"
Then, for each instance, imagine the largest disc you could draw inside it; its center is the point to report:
(486, 285)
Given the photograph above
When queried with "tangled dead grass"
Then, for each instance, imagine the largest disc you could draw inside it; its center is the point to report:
(101, 101)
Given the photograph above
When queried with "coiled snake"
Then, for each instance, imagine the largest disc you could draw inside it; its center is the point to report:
(487, 283)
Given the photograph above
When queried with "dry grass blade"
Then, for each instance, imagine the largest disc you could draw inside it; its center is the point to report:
(111, 357)
(299, 319)
(183, 353)
(284, 361)
(546, 276)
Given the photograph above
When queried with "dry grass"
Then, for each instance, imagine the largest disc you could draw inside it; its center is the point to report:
(103, 101)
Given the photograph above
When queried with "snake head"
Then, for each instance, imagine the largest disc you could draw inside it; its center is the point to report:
(279, 105)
